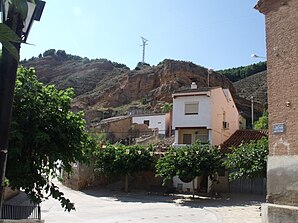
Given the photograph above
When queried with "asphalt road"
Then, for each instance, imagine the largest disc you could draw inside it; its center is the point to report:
(106, 206)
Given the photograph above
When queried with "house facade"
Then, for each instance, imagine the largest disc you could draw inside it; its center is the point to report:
(154, 121)
(205, 114)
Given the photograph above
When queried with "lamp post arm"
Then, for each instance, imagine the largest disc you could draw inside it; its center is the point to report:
(8, 70)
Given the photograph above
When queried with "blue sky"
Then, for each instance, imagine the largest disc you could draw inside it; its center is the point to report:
(212, 33)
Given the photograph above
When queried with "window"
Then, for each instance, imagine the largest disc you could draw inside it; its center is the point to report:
(202, 135)
(146, 122)
(225, 125)
(192, 109)
(186, 139)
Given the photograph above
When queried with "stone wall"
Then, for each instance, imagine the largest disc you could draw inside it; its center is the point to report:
(117, 128)
(9, 193)
(82, 176)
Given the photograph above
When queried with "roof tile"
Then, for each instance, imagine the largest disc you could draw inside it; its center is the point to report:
(242, 136)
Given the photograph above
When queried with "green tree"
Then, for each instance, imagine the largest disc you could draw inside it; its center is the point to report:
(167, 107)
(262, 123)
(238, 73)
(7, 38)
(44, 133)
(189, 162)
(50, 52)
(248, 160)
(61, 54)
(115, 160)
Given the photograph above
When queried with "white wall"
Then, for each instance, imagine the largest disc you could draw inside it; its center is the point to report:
(186, 187)
(155, 121)
(203, 119)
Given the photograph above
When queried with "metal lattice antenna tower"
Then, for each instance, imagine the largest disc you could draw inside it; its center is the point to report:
(143, 45)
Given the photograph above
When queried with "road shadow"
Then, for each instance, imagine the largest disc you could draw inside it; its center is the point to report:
(139, 196)
(225, 200)
(200, 201)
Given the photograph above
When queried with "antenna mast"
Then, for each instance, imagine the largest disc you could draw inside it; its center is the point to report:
(143, 45)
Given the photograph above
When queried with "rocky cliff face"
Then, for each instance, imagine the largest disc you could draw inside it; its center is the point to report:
(253, 86)
(151, 85)
(102, 87)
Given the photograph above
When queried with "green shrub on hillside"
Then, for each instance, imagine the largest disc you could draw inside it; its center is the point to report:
(238, 73)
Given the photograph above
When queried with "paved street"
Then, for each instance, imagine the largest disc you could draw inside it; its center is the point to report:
(107, 206)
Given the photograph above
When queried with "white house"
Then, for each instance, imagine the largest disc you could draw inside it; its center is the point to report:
(205, 114)
(154, 121)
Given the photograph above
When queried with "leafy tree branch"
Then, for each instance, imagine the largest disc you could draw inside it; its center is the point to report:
(45, 138)
(248, 160)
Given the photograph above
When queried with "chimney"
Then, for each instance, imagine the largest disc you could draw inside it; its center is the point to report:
(193, 85)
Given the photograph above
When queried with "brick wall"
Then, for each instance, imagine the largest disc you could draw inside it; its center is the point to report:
(282, 78)
(282, 59)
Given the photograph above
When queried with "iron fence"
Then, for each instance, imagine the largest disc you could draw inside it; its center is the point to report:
(20, 212)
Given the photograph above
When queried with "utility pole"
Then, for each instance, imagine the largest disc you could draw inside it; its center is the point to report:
(210, 70)
(252, 111)
(143, 45)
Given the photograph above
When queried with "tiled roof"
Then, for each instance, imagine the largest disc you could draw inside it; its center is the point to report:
(242, 136)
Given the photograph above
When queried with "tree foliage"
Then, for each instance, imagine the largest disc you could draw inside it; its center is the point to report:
(238, 73)
(189, 162)
(45, 137)
(248, 160)
(7, 38)
(262, 123)
(167, 107)
(115, 160)
(61, 53)
(50, 52)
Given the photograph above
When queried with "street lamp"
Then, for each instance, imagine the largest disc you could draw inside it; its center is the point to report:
(34, 13)
(257, 56)
(12, 18)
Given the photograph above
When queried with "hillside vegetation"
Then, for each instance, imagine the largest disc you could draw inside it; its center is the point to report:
(238, 73)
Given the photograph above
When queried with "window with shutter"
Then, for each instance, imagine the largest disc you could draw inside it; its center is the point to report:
(192, 109)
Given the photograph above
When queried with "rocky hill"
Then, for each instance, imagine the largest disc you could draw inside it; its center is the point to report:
(253, 86)
(106, 88)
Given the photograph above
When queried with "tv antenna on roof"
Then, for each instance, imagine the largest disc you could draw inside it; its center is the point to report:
(143, 45)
